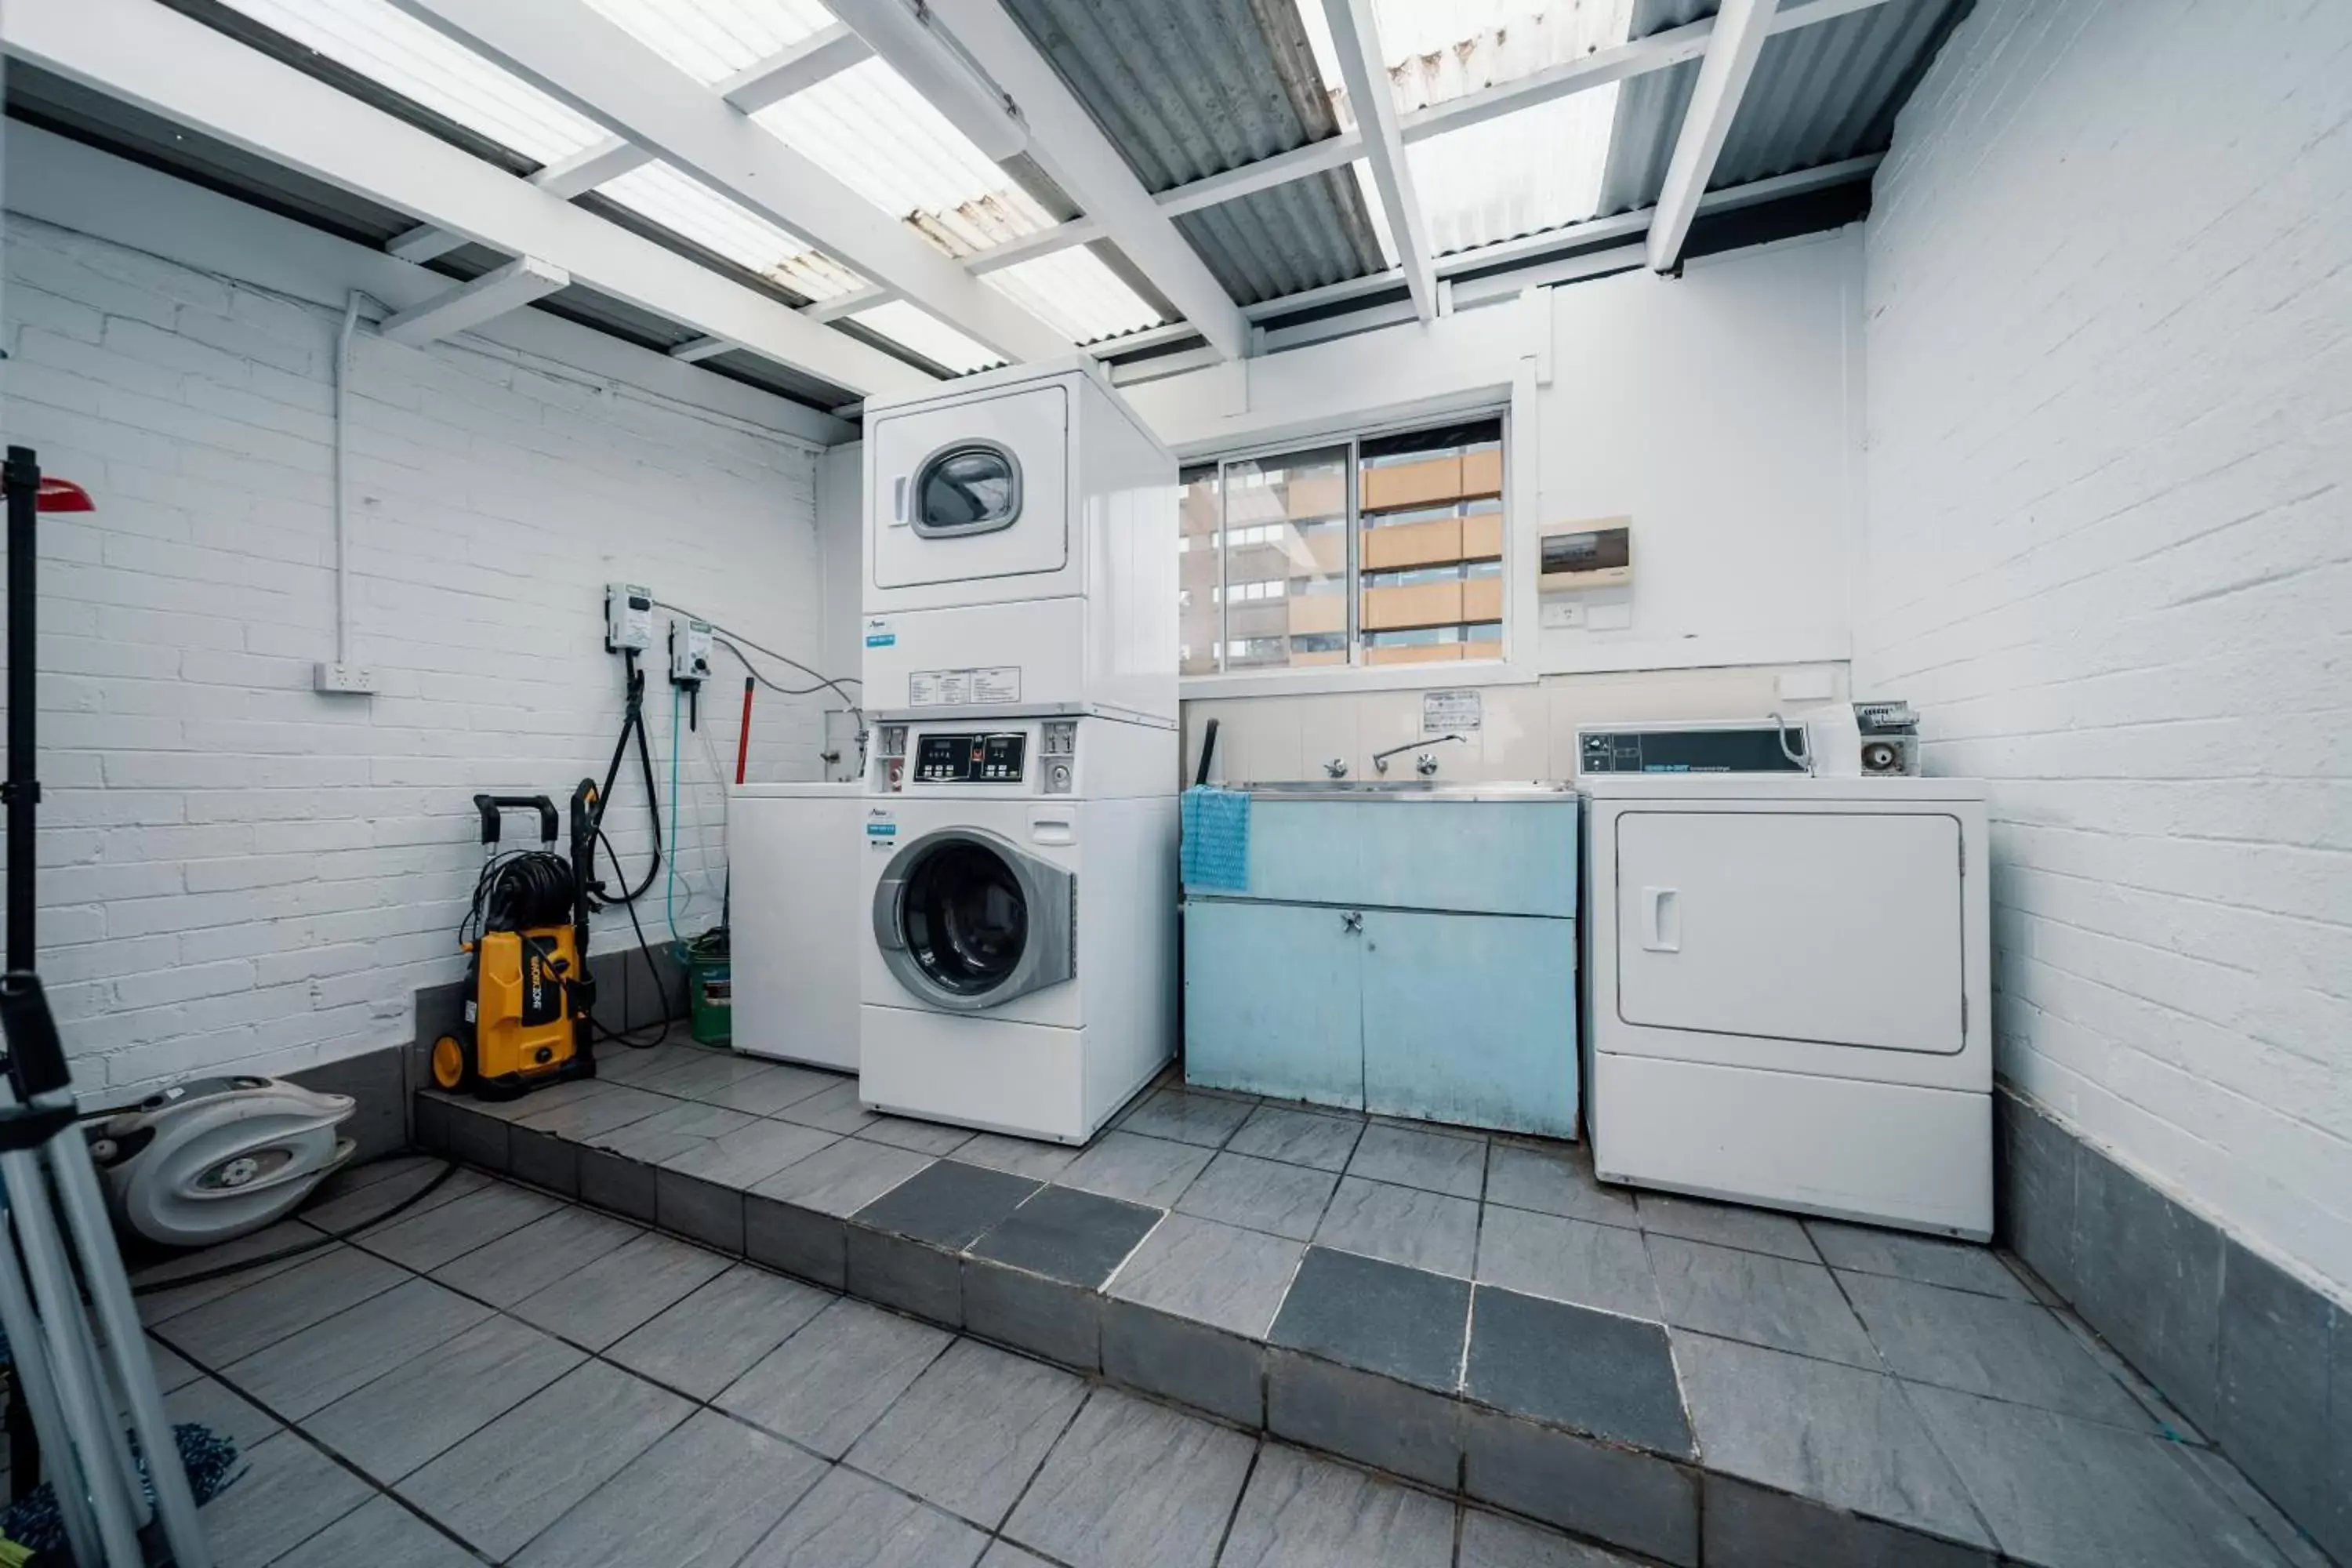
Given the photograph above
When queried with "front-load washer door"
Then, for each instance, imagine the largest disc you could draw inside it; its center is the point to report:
(973, 491)
(966, 919)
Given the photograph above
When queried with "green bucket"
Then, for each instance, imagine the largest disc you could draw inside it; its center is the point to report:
(709, 991)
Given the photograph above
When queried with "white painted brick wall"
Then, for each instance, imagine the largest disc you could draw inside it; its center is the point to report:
(2109, 552)
(236, 872)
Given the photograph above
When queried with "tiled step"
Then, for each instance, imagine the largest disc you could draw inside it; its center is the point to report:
(1766, 1425)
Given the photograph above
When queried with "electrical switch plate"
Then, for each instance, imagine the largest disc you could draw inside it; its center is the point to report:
(357, 680)
(689, 652)
(1559, 613)
(628, 617)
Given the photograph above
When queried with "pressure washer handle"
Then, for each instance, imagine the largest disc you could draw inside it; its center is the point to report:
(489, 805)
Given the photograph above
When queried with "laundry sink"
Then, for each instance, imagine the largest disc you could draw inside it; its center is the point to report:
(1405, 789)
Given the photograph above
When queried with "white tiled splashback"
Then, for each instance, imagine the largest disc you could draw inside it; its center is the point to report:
(1527, 731)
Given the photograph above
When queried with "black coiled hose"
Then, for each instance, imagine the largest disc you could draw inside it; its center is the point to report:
(526, 889)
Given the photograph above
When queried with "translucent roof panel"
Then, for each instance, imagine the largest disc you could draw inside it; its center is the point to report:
(911, 327)
(875, 133)
(686, 207)
(710, 40)
(396, 51)
(1522, 172)
(1077, 293)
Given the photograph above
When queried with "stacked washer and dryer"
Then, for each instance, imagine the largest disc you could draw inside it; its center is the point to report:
(1018, 885)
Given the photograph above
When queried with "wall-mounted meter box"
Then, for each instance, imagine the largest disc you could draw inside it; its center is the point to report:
(628, 617)
(1597, 554)
(689, 652)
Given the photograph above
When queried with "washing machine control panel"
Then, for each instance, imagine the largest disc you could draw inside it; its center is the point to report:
(980, 758)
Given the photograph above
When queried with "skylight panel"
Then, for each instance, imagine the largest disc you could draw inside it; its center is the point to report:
(1074, 292)
(686, 207)
(710, 40)
(1522, 172)
(875, 133)
(912, 328)
(396, 51)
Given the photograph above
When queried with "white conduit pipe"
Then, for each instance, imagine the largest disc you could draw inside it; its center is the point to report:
(342, 485)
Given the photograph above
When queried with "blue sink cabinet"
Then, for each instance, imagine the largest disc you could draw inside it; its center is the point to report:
(1411, 957)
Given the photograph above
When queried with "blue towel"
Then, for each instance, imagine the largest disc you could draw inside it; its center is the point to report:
(1216, 838)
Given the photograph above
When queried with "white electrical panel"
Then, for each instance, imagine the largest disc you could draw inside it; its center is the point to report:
(628, 617)
(689, 652)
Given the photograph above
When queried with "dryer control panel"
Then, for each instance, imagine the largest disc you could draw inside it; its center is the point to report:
(971, 758)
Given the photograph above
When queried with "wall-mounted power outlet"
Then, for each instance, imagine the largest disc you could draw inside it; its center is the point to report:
(358, 679)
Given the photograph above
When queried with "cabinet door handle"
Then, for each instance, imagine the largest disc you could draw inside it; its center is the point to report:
(1353, 920)
(1662, 920)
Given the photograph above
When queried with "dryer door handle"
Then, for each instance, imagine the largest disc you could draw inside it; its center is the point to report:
(890, 895)
(898, 501)
(1662, 920)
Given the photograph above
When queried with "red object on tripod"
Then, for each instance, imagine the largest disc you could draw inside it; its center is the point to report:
(62, 495)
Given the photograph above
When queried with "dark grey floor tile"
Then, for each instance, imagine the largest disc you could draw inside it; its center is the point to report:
(701, 1211)
(2058, 1491)
(1298, 1137)
(1405, 1323)
(750, 1154)
(770, 1088)
(1364, 1416)
(667, 1134)
(627, 1066)
(543, 1160)
(590, 1117)
(2006, 1350)
(618, 1182)
(1567, 1259)
(835, 1109)
(289, 1493)
(234, 1326)
(823, 1386)
(629, 1286)
(970, 1431)
(208, 1402)
(1039, 1161)
(1433, 1162)
(166, 1301)
(1070, 1234)
(1492, 1541)
(1411, 1225)
(842, 1178)
(1725, 1225)
(171, 1369)
(1955, 1264)
(1141, 1170)
(1594, 1372)
(426, 1241)
(1639, 1501)
(948, 1204)
(310, 1370)
(529, 1260)
(1131, 1483)
(1555, 1180)
(849, 1521)
(700, 1498)
(801, 1242)
(1750, 1527)
(922, 1137)
(1834, 1433)
(351, 1207)
(1001, 1554)
(1260, 1195)
(1186, 1117)
(696, 1075)
(1048, 1318)
(1756, 1297)
(512, 1480)
(2294, 1548)
(430, 1402)
(1215, 1274)
(379, 1534)
(1193, 1364)
(1299, 1512)
(716, 1335)
(478, 1135)
(910, 1276)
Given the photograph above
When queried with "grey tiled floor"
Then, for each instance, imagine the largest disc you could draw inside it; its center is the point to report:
(1893, 1377)
(668, 1405)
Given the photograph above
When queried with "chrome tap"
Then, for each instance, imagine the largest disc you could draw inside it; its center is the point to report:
(1336, 768)
(1424, 764)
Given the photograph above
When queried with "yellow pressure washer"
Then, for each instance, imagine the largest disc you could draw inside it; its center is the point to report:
(528, 992)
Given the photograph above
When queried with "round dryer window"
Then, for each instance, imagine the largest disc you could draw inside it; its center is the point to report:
(967, 920)
(967, 487)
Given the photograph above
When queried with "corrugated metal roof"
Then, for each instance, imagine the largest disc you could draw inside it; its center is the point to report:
(1821, 94)
(1187, 88)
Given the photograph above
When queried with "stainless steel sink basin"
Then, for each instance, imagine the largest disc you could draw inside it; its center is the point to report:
(1405, 789)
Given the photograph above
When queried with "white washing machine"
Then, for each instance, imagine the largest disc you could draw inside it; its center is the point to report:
(1787, 992)
(1018, 920)
(1020, 549)
(793, 865)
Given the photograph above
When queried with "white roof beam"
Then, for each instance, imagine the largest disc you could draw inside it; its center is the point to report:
(1314, 158)
(701, 349)
(1740, 28)
(939, 72)
(823, 53)
(1065, 139)
(494, 293)
(146, 54)
(566, 177)
(1356, 39)
(569, 50)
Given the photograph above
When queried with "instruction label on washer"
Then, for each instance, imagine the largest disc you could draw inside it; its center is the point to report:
(986, 686)
(1450, 712)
